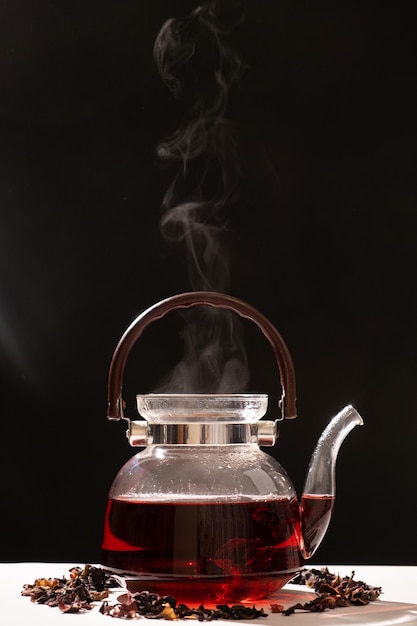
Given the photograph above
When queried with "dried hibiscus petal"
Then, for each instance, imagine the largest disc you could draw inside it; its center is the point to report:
(74, 607)
(119, 609)
(332, 591)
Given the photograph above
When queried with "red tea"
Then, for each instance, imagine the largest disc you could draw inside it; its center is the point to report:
(316, 512)
(204, 551)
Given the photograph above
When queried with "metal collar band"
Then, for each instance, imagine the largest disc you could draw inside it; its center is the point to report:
(141, 434)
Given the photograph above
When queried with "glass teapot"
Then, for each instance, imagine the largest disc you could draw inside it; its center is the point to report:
(202, 513)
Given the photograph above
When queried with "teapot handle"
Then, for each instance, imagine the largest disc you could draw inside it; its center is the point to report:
(287, 403)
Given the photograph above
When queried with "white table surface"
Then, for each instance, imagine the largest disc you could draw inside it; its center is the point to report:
(397, 604)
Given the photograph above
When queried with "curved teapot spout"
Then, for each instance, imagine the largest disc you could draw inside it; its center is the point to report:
(320, 486)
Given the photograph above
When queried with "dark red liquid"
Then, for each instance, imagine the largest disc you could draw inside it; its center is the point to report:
(204, 552)
(316, 512)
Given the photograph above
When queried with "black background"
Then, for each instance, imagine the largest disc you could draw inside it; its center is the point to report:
(322, 241)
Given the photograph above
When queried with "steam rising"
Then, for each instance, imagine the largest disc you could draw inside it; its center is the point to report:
(200, 67)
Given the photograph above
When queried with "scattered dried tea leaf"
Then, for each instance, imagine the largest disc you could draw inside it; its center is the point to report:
(97, 596)
(168, 612)
(120, 609)
(153, 606)
(47, 582)
(332, 591)
(90, 584)
(86, 585)
(74, 594)
(73, 607)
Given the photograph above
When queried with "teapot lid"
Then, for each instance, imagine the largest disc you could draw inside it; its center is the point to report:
(201, 408)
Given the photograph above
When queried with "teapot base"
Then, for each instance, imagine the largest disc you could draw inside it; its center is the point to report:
(211, 591)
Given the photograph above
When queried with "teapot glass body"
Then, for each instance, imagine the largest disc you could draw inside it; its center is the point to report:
(205, 522)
